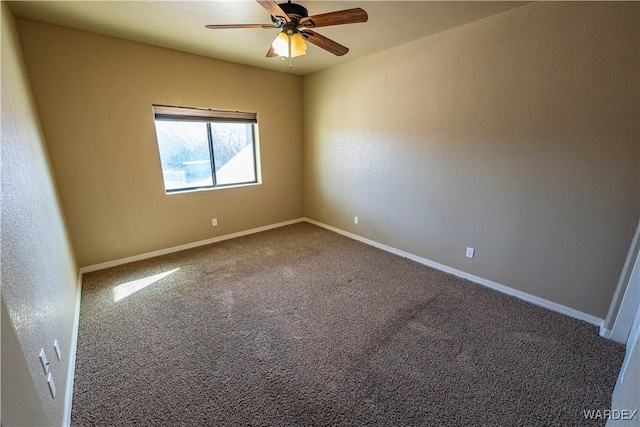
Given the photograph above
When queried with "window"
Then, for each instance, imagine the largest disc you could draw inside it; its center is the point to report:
(204, 149)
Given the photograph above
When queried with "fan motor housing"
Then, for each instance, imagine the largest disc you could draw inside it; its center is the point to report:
(295, 11)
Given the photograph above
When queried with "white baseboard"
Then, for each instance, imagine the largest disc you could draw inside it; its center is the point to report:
(186, 246)
(479, 280)
(66, 419)
(71, 368)
(604, 332)
(476, 279)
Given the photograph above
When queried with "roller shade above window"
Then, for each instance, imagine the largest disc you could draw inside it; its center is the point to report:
(162, 112)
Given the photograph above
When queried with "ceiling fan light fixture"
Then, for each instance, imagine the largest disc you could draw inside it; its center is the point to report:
(296, 25)
(281, 44)
(284, 40)
(298, 46)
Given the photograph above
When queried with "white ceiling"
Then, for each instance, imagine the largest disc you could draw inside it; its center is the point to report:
(180, 25)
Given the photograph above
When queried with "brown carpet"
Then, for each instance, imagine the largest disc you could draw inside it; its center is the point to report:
(302, 326)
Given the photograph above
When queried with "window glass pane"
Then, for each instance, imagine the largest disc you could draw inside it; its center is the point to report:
(233, 153)
(184, 153)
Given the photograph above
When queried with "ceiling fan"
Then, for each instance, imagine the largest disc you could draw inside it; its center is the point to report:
(296, 25)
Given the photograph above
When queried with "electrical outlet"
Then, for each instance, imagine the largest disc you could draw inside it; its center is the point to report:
(56, 347)
(470, 252)
(356, 220)
(214, 222)
(43, 360)
(52, 385)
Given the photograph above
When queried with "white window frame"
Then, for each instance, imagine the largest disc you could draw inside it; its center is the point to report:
(209, 116)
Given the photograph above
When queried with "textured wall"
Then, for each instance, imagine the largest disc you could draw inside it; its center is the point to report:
(517, 134)
(39, 274)
(95, 95)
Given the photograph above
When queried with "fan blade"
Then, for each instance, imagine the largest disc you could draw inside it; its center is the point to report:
(274, 9)
(271, 53)
(325, 43)
(228, 26)
(348, 16)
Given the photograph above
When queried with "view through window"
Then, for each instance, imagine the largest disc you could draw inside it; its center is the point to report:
(202, 149)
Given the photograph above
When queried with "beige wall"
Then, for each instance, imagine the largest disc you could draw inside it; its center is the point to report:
(95, 93)
(20, 402)
(39, 273)
(517, 135)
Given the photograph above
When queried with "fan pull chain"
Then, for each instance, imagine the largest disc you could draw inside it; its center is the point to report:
(289, 37)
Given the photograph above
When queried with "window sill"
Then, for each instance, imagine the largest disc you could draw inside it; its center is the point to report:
(201, 189)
